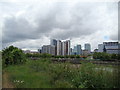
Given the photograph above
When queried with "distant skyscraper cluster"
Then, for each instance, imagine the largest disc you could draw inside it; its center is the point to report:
(77, 50)
(57, 47)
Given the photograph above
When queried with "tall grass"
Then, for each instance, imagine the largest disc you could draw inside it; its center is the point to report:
(45, 74)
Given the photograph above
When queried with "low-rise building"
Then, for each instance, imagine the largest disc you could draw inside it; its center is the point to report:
(109, 47)
(112, 47)
(85, 52)
(26, 51)
(96, 50)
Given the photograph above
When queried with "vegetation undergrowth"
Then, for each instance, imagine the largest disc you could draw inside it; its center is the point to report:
(45, 74)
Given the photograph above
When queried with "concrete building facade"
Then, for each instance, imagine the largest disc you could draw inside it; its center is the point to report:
(50, 49)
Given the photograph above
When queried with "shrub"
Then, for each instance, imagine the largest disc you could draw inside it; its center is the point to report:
(77, 56)
(72, 56)
(102, 56)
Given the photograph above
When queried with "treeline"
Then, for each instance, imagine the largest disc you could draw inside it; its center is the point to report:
(45, 55)
(106, 56)
(13, 55)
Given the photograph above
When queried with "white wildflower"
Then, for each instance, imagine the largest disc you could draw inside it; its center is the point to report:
(18, 81)
(72, 80)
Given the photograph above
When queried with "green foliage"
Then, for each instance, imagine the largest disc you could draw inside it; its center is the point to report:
(105, 56)
(39, 55)
(77, 56)
(46, 55)
(12, 55)
(72, 56)
(114, 56)
(67, 56)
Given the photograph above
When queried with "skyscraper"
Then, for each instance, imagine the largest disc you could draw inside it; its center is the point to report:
(79, 50)
(75, 50)
(54, 42)
(88, 47)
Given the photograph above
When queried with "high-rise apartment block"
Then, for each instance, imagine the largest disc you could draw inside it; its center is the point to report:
(54, 43)
(66, 47)
(59, 47)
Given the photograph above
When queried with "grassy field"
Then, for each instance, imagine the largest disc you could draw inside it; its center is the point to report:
(45, 74)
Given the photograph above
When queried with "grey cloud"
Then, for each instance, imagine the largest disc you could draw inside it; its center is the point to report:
(58, 20)
(83, 22)
(115, 36)
(17, 29)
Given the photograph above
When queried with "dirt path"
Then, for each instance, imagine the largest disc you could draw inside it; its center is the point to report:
(0, 80)
(6, 83)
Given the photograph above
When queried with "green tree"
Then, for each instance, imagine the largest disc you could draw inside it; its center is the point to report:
(12, 55)
(46, 55)
(114, 56)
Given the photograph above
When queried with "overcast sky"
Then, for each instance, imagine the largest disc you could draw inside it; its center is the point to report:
(29, 25)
